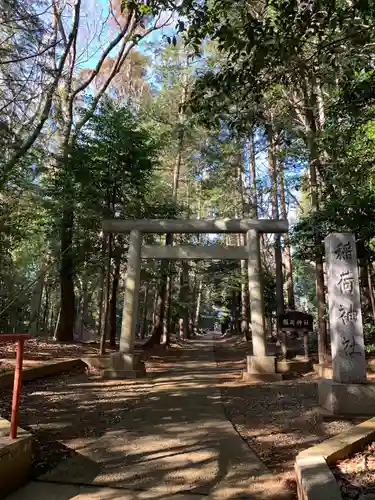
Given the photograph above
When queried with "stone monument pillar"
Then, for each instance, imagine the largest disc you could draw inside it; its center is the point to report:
(259, 365)
(348, 392)
(126, 363)
(344, 302)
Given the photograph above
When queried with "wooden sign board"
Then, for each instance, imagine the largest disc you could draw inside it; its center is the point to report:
(295, 320)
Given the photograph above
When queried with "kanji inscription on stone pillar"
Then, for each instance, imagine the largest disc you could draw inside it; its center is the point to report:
(345, 317)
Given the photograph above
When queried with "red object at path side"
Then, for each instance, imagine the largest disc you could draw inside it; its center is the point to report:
(20, 338)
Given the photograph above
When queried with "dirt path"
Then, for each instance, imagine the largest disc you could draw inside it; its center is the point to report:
(176, 439)
(68, 413)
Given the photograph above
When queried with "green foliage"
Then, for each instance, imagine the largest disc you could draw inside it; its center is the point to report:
(112, 170)
(23, 223)
(369, 336)
(302, 70)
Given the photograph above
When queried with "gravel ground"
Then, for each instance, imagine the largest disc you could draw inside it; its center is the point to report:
(65, 411)
(356, 475)
(278, 419)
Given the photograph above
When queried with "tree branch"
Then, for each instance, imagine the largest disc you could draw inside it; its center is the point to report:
(9, 165)
(59, 23)
(120, 59)
(105, 53)
(31, 56)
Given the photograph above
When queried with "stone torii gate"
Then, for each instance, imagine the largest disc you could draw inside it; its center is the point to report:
(126, 363)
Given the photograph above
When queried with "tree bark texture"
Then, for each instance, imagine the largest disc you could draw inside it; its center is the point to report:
(67, 312)
(104, 330)
(272, 172)
(113, 303)
(287, 257)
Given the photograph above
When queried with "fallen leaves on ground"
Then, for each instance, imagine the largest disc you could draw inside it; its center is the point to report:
(277, 419)
(356, 475)
(37, 351)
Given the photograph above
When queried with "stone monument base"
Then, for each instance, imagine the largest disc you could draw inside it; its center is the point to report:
(261, 369)
(294, 365)
(118, 365)
(347, 399)
(323, 370)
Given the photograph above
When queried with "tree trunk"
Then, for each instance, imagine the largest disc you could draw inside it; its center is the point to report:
(113, 303)
(244, 294)
(234, 310)
(169, 237)
(46, 310)
(241, 241)
(167, 294)
(143, 329)
(272, 172)
(155, 304)
(363, 277)
(51, 319)
(319, 270)
(168, 307)
(253, 178)
(253, 198)
(65, 326)
(104, 330)
(101, 285)
(157, 328)
(184, 299)
(371, 289)
(198, 303)
(57, 325)
(287, 253)
(320, 295)
(367, 293)
(85, 304)
(36, 304)
(309, 101)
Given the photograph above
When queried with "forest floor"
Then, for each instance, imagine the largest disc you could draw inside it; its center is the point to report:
(37, 351)
(356, 475)
(277, 419)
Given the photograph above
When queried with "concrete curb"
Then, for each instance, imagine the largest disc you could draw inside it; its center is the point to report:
(15, 458)
(43, 370)
(315, 480)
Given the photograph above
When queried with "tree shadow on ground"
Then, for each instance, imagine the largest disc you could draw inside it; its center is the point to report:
(168, 440)
(277, 419)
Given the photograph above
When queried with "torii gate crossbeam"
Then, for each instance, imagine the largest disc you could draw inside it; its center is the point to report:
(260, 363)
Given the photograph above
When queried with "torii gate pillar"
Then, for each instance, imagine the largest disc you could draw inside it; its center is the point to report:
(131, 294)
(259, 366)
(126, 363)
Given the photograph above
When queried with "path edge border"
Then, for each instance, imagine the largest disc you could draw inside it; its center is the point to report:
(315, 480)
(15, 458)
(43, 370)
